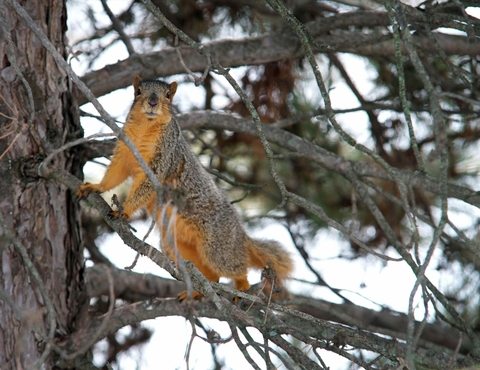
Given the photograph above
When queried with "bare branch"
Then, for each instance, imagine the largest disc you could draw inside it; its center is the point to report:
(117, 26)
(198, 80)
(264, 49)
(132, 287)
(327, 159)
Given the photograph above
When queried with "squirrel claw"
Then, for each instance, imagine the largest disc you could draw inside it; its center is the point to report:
(82, 195)
(84, 190)
(182, 296)
(113, 215)
(237, 299)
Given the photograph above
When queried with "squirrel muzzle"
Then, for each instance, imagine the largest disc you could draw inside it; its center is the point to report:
(153, 100)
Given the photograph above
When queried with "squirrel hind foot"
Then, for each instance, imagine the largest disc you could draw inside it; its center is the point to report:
(182, 296)
(113, 215)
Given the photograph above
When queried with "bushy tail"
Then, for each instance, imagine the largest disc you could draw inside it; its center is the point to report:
(260, 252)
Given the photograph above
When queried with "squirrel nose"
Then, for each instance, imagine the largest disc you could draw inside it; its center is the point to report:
(153, 100)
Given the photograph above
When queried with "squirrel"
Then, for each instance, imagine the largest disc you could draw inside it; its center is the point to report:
(207, 231)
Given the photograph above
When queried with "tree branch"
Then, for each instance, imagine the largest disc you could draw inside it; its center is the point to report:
(288, 141)
(117, 26)
(132, 287)
(319, 155)
(267, 48)
(331, 336)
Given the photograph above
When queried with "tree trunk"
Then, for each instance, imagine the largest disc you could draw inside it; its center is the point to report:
(41, 214)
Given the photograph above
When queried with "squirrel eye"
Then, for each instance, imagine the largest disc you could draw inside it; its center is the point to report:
(168, 94)
(139, 92)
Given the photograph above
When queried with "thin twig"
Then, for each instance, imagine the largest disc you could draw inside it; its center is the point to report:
(451, 363)
(257, 346)
(212, 336)
(190, 342)
(320, 212)
(402, 88)
(245, 185)
(117, 26)
(242, 347)
(242, 198)
(459, 97)
(320, 281)
(295, 353)
(426, 299)
(10, 146)
(68, 145)
(198, 80)
(134, 263)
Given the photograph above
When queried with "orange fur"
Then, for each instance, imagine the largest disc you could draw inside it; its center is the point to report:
(259, 259)
(187, 240)
(145, 134)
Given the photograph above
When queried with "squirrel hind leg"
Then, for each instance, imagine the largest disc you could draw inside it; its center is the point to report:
(242, 284)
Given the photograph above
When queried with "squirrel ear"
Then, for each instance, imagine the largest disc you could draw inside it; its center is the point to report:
(136, 83)
(173, 89)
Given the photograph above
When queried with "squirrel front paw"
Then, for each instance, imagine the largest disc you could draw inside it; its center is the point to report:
(85, 189)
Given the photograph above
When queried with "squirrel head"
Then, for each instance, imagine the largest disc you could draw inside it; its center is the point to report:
(153, 97)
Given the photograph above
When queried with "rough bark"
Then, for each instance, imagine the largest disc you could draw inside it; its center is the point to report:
(37, 212)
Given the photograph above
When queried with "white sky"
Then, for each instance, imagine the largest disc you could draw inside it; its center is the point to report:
(387, 283)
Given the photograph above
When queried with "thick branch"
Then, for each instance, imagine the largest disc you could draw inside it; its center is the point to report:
(329, 160)
(317, 330)
(267, 48)
(386, 322)
(133, 286)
